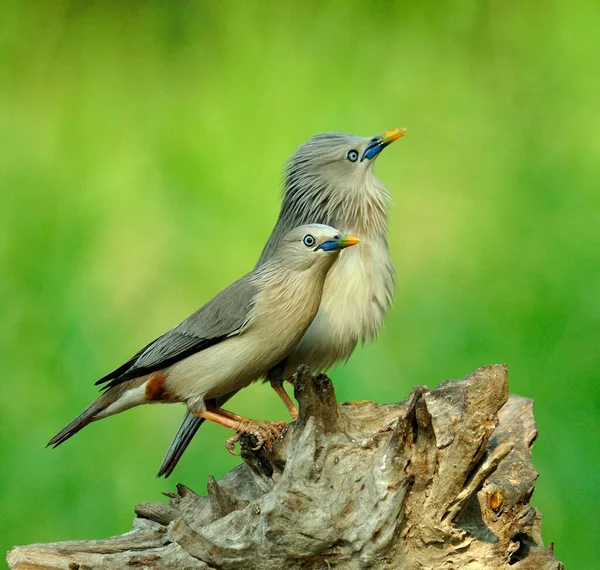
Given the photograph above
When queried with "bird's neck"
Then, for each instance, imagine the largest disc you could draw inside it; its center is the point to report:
(359, 209)
(293, 291)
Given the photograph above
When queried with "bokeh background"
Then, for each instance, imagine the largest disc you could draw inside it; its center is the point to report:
(141, 146)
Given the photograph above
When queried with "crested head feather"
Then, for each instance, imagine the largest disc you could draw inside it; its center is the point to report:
(321, 185)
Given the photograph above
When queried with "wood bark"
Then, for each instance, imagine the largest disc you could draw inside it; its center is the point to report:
(441, 480)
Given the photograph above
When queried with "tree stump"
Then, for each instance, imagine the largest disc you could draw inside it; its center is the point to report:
(441, 480)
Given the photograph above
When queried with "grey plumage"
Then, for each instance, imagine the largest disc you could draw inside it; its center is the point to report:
(323, 185)
(232, 340)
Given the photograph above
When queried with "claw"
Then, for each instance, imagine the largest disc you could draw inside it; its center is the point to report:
(264, 432)
(230, 443)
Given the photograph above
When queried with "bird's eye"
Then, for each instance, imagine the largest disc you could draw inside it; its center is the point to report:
(308, 240)
(352, 156)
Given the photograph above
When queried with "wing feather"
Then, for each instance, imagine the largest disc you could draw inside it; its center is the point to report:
(227, 314)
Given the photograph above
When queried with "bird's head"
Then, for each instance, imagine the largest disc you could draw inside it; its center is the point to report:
(332, 164)
(313, 245)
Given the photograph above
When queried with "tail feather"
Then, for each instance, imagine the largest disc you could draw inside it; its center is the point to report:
(186, 432)
(182, 439)
(113, 401)
(82, 420)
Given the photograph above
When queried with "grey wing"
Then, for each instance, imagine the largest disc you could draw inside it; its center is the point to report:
(227, 314)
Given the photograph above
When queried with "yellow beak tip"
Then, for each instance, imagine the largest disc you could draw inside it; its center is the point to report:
(351, 240)
(393, 135)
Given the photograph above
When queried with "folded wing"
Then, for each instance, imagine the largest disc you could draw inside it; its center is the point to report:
(227, 314)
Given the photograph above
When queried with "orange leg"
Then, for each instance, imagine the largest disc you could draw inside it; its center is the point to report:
(265, 432)
(226, 413)
(289, 404)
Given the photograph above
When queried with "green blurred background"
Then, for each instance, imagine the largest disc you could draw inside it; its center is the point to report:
(141, 146)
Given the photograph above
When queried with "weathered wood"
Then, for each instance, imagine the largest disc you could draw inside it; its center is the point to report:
(441, 480)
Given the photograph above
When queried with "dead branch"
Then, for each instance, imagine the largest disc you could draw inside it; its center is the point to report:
(441, 480)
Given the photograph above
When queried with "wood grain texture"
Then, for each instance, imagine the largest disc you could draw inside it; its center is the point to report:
(441, 480)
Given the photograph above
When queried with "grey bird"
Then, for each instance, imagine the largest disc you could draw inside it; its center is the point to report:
(330, 180)
(231, 341)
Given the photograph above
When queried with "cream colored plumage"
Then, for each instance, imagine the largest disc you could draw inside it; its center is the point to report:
(231, 341)
(330, 180)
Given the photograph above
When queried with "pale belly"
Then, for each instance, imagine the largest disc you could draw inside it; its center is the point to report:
(221, 369)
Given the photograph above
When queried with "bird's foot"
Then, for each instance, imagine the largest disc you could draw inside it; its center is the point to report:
(264, 432)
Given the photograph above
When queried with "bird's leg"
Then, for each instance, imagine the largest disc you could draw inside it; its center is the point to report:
(277, 385)
(275, 378)
(265, 432)
(229, 414)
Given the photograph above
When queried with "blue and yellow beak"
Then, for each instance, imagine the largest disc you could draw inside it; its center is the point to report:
(340, 241)
(378, 143)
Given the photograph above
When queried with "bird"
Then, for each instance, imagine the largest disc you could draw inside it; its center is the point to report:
(231, 341)
(330, 180)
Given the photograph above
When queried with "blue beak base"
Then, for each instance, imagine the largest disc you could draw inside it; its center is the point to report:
(339, 242)
(379, 142)
(374, 148)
